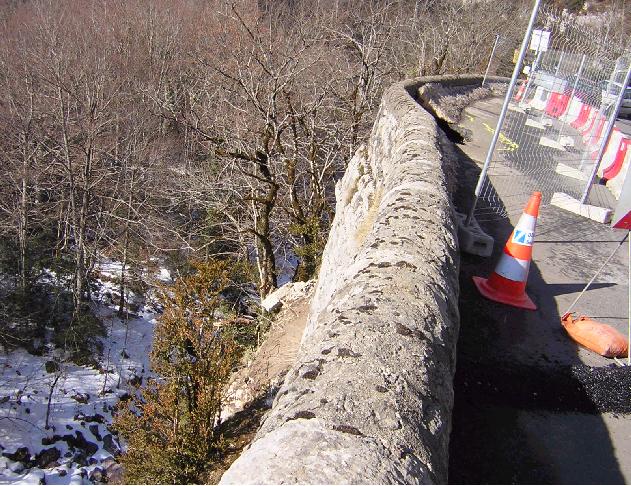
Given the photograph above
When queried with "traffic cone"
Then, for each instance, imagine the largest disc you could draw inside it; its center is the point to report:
(507, 284)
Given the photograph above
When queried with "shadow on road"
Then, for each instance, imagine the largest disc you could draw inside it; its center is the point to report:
(570, 288)
(527, 410)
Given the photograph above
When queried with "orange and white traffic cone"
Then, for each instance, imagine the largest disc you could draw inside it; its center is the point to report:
(507, 284)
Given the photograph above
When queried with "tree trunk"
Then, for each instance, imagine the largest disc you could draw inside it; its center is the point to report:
(23, 222)
(265, 258)
(80, 265)
(121, 303)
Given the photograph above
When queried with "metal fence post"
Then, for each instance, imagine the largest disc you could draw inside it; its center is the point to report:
(500, 120)
(497, 37)
(556, 72)
(605, 141)
(531, 74)
(578, 77)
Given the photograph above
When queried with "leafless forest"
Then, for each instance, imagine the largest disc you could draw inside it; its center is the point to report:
(200, 128)
(197, 129)
(204, 135)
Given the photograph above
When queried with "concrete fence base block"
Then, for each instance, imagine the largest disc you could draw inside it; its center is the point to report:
(566, 141)
(516, 108)
(572, 172)
(535, 124)
(596, 213)
(472, 238)
(548, 142)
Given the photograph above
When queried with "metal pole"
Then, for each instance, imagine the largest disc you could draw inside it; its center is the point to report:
(556, 76)
(531, 74)
(556, 73)
(500, 120)
(578, 77)
(605, 141)
(497, 37)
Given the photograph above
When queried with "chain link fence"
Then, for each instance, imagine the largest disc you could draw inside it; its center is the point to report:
(560, 114)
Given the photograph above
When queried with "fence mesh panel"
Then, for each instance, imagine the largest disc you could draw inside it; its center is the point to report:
(557, 120)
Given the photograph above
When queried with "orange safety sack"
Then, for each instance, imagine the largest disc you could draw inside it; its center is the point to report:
(594, 335)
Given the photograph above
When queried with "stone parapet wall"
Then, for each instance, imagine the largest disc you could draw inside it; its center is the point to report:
(446, 96)
(369, 398)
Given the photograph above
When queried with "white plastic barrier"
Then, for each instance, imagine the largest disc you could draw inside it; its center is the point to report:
(593, 137)
(589, 124)
(612, 151)
(615, 184)
(572, 111)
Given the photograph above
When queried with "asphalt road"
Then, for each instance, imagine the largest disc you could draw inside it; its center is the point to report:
(531, 406)
(624, 126)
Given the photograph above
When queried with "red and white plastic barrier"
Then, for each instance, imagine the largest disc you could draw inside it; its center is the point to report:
(583, 116)
(614, 155)
(589, 123)
(557, 104)
(573, 110)
(593, 137)
(539, 101)
(615, 183)
(520, 91)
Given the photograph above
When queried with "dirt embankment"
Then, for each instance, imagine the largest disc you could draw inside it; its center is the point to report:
(253, 387)
(266, 369)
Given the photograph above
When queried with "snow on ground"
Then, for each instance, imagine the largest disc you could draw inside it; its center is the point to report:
(286, 263)
(77, 447)
(164, 275)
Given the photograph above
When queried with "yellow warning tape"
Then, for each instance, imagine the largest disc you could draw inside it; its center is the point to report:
(509, 145)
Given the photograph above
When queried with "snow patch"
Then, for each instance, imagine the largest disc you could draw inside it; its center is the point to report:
(77, 400)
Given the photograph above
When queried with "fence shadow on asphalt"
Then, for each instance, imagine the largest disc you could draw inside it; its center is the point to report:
(522, 412)
(569, 288)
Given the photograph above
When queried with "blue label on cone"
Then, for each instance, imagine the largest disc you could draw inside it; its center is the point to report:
(522, 237)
